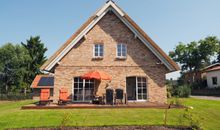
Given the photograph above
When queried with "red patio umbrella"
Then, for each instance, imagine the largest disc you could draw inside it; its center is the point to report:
(99, 75)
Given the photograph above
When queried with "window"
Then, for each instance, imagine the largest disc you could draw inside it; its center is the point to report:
(214, 80)
(98, 50)
(121, 50)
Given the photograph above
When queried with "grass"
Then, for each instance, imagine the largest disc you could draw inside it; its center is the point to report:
(12, 117)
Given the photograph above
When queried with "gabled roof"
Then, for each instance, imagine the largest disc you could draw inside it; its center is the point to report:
(91, 22)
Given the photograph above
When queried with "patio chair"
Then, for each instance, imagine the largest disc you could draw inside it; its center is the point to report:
(44, 96)
(63, 97)
(119, 96)
(109, 96)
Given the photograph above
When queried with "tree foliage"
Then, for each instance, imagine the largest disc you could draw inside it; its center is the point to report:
(12, 62)
(36, 51)
(20, 63)
(195, 55)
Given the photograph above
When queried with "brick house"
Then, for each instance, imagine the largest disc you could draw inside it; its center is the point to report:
(110, 41)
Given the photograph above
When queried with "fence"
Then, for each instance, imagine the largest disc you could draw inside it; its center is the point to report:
(206, 92)
(15, 96)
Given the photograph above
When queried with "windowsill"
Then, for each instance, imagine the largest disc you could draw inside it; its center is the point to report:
(97, 58)
(121, 58)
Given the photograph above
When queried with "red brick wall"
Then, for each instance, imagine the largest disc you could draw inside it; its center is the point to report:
(140, 60)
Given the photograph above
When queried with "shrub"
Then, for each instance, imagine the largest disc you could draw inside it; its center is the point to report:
(191, 118)
(16, 96)
(183, 91)
(180, 91)
(176, 101)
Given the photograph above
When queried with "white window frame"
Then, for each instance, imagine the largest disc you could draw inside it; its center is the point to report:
(121, 56)
(99, 56)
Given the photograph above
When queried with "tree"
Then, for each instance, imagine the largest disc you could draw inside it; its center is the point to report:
(36, 51)
(12, 60)
(195, 55)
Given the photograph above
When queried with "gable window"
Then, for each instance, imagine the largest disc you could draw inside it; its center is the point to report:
(121, 50)
(214, 80)
(98, 51)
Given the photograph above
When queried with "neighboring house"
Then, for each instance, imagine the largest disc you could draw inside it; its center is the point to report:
(213, 75)
(112, 42)
(210, 73)
(40, 82)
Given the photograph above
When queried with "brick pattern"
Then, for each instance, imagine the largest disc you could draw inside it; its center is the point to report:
(140, 61)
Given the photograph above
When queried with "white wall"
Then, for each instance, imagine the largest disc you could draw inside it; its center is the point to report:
(209, 78)
(174, 75)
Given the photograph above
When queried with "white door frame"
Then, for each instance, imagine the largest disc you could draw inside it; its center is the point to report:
(139, 100)
(84, 82)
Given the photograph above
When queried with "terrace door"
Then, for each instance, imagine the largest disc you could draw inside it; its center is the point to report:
(131, 88)
(136, 88)
(83, 90)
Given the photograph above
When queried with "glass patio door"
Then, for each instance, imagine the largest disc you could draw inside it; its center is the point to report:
(83, 90)
(136, 88)
(141, 87)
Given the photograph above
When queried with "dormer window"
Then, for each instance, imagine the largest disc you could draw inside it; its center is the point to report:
(121, 51)
(98, 51)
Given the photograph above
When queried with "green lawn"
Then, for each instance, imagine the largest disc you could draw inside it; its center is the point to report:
(12, 117)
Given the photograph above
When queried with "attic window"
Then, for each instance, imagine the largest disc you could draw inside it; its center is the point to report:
(121, 51)
(98, 51)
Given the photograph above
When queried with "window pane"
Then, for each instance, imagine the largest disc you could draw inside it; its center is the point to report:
(144, 90)
(144, 80)
(119, 46)
(119, 50)
(101, 47)
(144, 85)
(139, 79)
(123, 48)
(139, 85)
(76, 86)
(124, 54)
(76, 79)
(139, 96)
(139, 90)
(80, 80)
(144, 96)
(96, 45)
(96, 49)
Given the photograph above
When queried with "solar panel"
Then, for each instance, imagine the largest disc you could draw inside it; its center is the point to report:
(46, 81)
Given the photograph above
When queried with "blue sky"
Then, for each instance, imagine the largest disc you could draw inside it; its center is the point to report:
(167, 22)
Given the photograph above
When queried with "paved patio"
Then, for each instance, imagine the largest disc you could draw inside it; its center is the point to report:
(95, 106)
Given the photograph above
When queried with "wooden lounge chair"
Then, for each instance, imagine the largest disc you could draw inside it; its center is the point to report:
(63, 97)
(44, 96)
